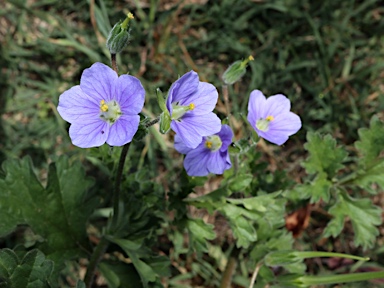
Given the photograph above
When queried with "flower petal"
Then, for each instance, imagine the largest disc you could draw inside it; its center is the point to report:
(191, 129)
(91, 133)
(130, 94)
(217, 163)
(98, 82)
(226, 136)
(256, 106)
(123, 130)
(276, 105)
(196, 162)
(204, 99)
(75, 105)
(180, 146)
(281, 128)
(183, 87)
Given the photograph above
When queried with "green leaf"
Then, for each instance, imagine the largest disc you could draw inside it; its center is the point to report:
(200, 232)
(58, 212)
(215, 196)
(373, 175)
(258, 203)
(240, 222)
(240, 182)
(371, 142)
(80, 284)
(324, 156)
(320, 188)
(32, 271)
(243, 231)
(147, 274)
(275, 241)
(363, 215)
(120, 275)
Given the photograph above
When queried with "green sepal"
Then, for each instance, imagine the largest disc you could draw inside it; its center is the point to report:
(165, 122)
(142, 131)
(235, 71)
(241, 146)
(161, 100)
(119, 36)
(165, 117)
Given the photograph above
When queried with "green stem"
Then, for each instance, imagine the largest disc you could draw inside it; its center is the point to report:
(313, 254)
(153, 122)
(226, 280)
(255, 273)
(116, 195)
(226, 103)
(318, 280)
(94, 261)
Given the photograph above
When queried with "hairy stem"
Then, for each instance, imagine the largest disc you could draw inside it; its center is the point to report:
(119, 175)
(228, 110)
(230, 268)
(153, 122)
(114, 64)
(94, 261)
(103, 244)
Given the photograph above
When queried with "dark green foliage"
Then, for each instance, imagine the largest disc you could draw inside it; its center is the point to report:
(31, 270)
(58, 212)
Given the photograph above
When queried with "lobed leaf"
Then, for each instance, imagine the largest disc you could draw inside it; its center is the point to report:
(373, 175)
(58, 212)
(324, 156)
(363, 215)
(371, 142)
(200, 232)
(33, 270)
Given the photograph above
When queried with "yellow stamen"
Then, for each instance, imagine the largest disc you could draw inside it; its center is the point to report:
(191, 106)
(250, 58)
(103, 106)
(270, 118)
(124, 25)
(208, 144)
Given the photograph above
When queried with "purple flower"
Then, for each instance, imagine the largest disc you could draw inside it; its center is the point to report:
(271, 117)
(190, 104)
(103, 108)
(210, 156)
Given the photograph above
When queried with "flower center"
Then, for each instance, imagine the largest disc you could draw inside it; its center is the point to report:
(178, 111)
(110, 111)
(263, 124)
(213, 142)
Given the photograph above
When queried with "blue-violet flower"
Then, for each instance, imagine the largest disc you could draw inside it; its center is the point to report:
(103, 108)
(190, 104)
(271, 118)
(210, 156)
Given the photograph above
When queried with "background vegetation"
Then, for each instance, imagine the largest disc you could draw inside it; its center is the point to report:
(326, 56)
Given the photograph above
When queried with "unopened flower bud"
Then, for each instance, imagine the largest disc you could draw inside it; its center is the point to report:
(118, 37)
(236, 71)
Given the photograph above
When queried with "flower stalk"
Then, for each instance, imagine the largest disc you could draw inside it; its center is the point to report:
(94, 261)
